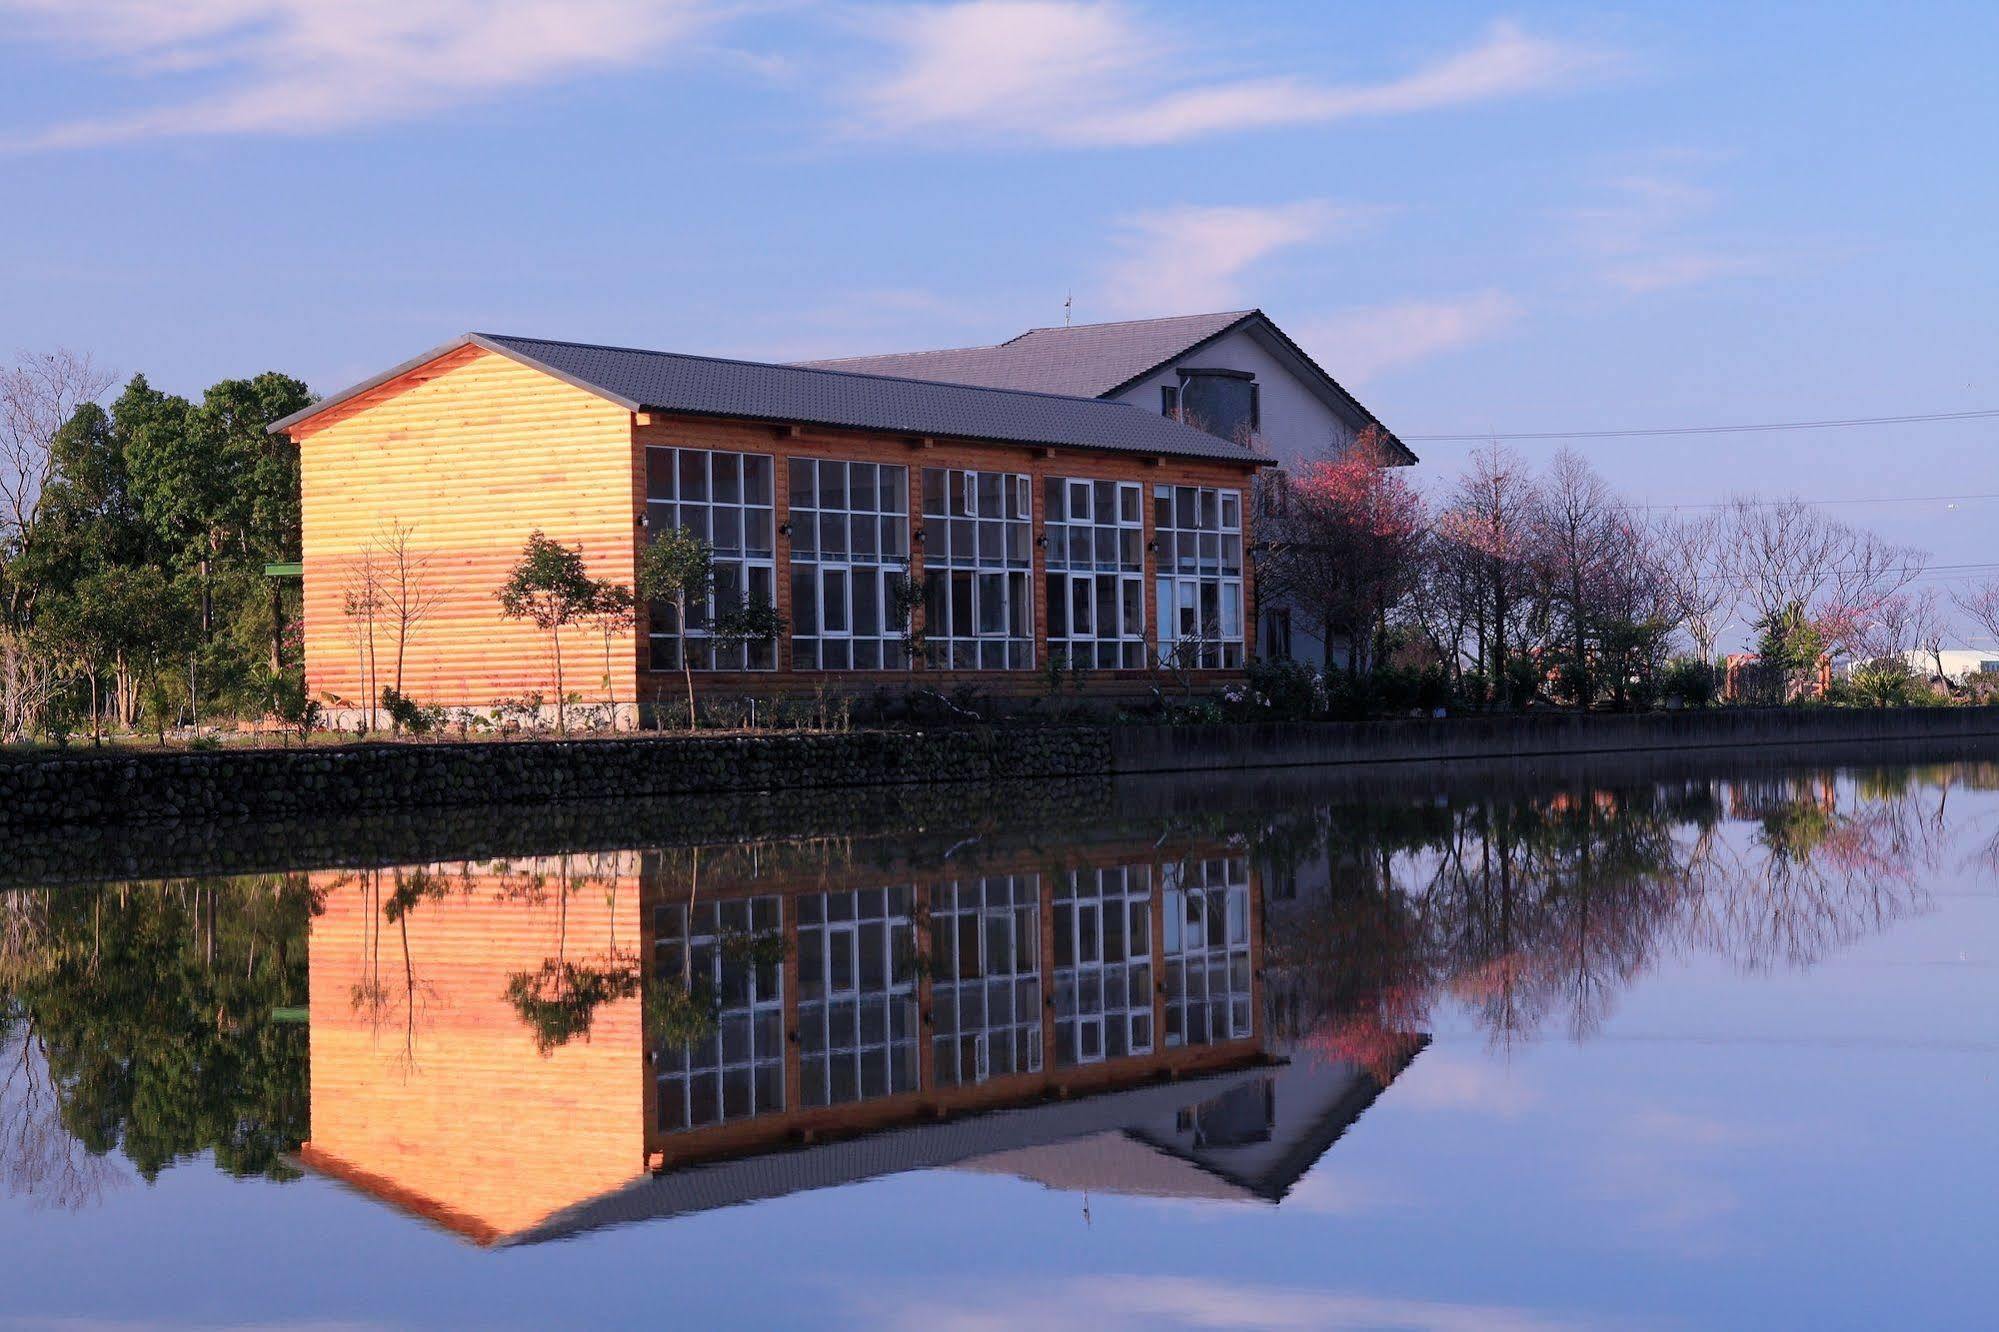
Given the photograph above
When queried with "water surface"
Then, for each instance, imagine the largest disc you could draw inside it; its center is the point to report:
(1678, 1044)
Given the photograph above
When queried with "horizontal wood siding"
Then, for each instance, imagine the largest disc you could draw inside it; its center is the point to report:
(425, 1079)
(472, 451)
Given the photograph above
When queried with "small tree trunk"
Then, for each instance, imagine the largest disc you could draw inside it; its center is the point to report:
(686, 664)
(277, 626)
(561, 715)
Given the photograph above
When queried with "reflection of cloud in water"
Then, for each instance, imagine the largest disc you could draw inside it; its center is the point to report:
(1152, 1301)
(1444, 1081)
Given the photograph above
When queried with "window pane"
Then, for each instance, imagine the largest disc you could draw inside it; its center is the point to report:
(867, 603)
(728, 534)
(756, 479)
(659, 473)
(728, 477)
(861, 487)
(693, 475)
(804, 483)
(832, 485)
(834, 585)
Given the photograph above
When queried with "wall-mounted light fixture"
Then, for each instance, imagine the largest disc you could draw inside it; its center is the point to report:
(916, 535)
(1042, 541)
(644, 519)
(784, 528)
(1153, 546)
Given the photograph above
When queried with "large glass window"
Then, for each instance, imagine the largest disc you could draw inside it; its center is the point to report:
(985, 989)
(856, 995)
(1199, 576)
(1207, 951)
(978, 612)
(1096, 563)
(725, 499)
(849, 558)
(712, 950)
(1103, 964)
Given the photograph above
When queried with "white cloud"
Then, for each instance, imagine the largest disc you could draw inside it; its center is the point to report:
(1643, 238)
(313, 66)
(1358, 344)
(1101, 72)
(1110, 1301)
(1175, 260)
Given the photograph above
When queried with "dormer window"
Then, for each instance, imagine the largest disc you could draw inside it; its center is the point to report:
(1225, 403)
(1169, 400)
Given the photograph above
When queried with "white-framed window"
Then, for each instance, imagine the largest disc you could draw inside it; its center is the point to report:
(725, 499)
(857, 1021)
(1198, 581)
(849, 555)
(1103, 964)
(1206, 951)
(985, 987)
(1096, 564)
(738, 1071)
(978, 608)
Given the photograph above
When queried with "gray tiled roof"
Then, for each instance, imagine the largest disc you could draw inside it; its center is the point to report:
(700, 1188)
(1086, 361)
(670, 382)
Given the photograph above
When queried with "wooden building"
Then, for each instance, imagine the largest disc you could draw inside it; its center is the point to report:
(1027, 528)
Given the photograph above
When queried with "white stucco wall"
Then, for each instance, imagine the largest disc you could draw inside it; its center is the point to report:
(1298, 425)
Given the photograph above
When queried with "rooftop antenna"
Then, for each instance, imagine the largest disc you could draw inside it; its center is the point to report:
(1068, 301)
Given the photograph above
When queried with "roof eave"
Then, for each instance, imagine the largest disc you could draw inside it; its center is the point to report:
(1247, 459)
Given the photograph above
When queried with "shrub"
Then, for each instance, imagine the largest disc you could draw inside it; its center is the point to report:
(1690, 680)
(1288, 690)
(406, 715)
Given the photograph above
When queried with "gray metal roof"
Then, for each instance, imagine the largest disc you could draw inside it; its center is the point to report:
(700, 1188)
(1087, 361)
(670, 382)
(1097, 360)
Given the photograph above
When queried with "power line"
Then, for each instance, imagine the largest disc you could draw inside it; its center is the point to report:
(1917, 418)
(1778, 503)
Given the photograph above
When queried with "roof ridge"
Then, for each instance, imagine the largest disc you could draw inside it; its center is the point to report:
(811, 369)
(1133, 323)
(822, 362)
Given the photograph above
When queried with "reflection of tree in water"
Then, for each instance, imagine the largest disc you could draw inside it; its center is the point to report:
(1531, 911)
(151, 1021)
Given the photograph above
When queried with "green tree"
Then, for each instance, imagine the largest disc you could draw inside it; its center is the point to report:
(1790, 646)
(611, 611)
(550, 588)
(677, 569)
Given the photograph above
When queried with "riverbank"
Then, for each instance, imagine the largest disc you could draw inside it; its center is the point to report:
(81, 788)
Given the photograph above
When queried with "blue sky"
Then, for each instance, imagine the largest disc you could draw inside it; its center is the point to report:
(1517, 218)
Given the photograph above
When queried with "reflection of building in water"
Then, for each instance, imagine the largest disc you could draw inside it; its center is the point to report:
(1087, 1020)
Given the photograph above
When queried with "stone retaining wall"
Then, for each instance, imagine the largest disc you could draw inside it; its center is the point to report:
(1269, 745)
(79, 787)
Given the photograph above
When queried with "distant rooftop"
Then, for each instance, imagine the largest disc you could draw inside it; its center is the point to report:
(1088, 360)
